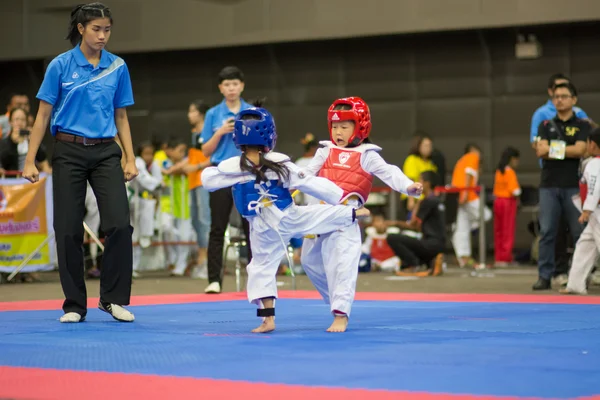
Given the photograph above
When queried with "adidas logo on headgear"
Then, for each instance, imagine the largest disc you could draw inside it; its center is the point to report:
(335, 117)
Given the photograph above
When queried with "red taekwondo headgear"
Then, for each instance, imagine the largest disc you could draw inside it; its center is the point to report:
(359, 113)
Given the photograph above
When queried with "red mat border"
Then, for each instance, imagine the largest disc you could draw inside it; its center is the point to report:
(307, 294)
(49, 384)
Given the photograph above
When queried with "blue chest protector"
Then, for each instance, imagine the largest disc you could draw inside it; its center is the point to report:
(251, 195)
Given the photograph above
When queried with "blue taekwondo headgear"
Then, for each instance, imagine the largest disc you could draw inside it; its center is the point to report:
(255, 132)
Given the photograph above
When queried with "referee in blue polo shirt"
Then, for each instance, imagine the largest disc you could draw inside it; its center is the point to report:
(217, 143)
(83, 96)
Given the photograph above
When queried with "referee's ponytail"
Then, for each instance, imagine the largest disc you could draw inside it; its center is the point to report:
(82, 14)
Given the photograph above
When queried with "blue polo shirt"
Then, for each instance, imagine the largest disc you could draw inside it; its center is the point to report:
(84, 98)
(214, 119)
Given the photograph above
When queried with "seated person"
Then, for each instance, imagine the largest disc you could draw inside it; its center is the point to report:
(375, 246)
(428, 218)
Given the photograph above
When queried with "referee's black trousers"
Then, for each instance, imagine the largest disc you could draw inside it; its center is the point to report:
(73, 164)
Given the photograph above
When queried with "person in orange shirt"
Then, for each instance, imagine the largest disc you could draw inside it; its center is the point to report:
(466, 174)
(506, 192)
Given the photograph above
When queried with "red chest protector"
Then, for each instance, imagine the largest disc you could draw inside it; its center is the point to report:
(343, 168)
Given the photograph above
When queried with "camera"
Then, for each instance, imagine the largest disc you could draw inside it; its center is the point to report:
(24, 132)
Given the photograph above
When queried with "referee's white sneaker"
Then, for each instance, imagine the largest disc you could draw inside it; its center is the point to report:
(213, 288)
(71, 317)
(117, 312)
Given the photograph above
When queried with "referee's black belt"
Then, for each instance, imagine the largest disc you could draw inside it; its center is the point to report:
(67, 137)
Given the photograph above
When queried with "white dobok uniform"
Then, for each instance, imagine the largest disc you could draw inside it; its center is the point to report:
(143, 207)
(331, 260)
(588, 245)
(274, 218)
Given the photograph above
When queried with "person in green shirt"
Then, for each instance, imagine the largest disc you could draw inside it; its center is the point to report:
(175, 207)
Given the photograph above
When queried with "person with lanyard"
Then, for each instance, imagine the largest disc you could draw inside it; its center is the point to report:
(543, 113)
(562, 143)
(217, 143)
(83, 96)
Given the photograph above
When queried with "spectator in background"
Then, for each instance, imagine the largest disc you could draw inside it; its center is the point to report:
(561, 144)
(17, 100)
(14, 147)
(175, 207)
(376, 246)
(543, 113)
(466, 175)
(311, 145)
(418, 161)
(144, 200)
(160, 143)
(437, 157)
(429, 219)
(548, 110)
(506, 193)
(199, 196)
(217, 143)
(310, 148)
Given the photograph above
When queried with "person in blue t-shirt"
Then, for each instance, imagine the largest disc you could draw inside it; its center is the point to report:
(217, 143)
(83, 97)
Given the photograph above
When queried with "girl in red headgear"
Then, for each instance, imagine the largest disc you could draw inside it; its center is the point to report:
(350, 161)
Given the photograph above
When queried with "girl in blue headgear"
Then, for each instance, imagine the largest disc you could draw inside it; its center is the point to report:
(261, 181)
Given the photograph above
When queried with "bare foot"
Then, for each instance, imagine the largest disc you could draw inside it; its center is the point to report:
(340, 323)
(268, 325)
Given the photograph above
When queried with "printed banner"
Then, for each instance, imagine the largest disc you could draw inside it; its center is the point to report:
(25, 222)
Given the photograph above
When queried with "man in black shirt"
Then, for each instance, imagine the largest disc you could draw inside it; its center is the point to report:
(562, 143)
(428, 219)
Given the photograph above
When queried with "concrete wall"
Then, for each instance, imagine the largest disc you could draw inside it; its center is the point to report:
(34, 28)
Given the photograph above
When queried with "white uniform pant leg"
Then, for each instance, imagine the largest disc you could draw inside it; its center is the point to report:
(311, 259)
(137, 250)
(584, 258)
(182, 251)
(267, 253)
(315, 219)
(461, 238)
(145, 222)
(467, 218)
(169, 235)
(472, 209)
(92, 219)
(341, 256)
